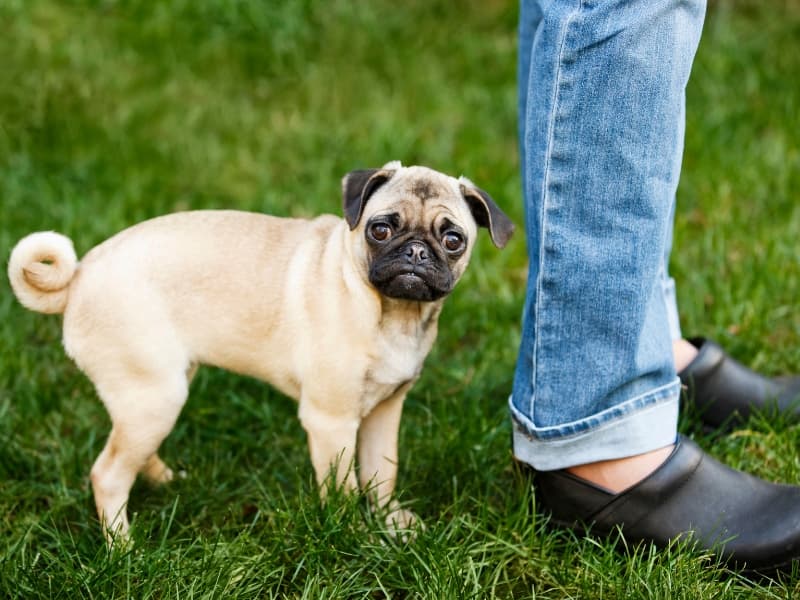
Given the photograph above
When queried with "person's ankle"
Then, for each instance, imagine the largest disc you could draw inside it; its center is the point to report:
(620, 474)
(683, 353)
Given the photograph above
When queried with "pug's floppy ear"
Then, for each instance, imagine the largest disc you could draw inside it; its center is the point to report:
(486, 213)
(357, 187)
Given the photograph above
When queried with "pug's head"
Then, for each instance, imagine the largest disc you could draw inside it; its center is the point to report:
(414, 228)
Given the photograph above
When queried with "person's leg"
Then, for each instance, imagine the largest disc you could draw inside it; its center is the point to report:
(724, 391)
(683, 352)
(595, 390)
(602, 95)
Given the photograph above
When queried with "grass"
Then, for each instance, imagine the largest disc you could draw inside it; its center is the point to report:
(115, 111)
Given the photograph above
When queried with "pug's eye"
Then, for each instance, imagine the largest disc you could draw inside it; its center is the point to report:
(453, 242)
(380, 232)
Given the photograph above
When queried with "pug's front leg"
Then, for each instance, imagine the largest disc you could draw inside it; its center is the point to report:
(378, 459)
(332, 444)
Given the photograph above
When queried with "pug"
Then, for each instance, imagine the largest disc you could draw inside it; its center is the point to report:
(338, 314)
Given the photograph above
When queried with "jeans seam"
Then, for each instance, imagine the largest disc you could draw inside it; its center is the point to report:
(544, 203)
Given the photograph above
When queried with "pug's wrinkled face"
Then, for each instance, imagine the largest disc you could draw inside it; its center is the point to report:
(418, 246)
(415, 228)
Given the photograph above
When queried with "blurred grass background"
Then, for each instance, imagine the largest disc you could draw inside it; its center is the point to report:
(115, 111)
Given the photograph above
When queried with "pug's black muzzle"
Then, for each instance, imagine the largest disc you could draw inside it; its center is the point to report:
(411, 271)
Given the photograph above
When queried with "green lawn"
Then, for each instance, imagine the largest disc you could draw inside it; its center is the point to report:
(114, 111)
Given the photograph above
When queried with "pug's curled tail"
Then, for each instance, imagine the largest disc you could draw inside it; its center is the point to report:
(40, 269)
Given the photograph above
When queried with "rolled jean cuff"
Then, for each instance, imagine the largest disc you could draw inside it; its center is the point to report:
(637, 426)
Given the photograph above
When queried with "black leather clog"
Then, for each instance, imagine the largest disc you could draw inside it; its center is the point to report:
(751, 524)
(726, 392)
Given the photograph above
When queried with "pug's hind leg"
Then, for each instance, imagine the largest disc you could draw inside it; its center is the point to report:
(142, 415)
(156, 471)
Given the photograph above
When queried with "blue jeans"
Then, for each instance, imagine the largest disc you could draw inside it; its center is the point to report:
(601, 105)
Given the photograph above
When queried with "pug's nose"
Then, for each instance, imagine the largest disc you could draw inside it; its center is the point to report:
(416, 253)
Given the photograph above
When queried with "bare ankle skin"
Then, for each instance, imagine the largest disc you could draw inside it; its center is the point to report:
(683, 353)
(620, 474)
